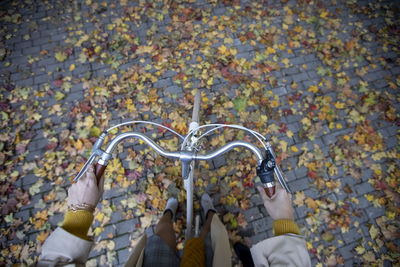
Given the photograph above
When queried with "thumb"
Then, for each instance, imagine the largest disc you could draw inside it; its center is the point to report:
(90, 174)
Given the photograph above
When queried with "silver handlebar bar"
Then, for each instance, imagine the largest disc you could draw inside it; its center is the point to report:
(185, 156)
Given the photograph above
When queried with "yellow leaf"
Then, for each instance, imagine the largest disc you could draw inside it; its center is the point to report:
(370, 197)
(89, 122)
(61, 56)
(373, 232)
(306, 121)
(390, 214)
(294, 149)
(78, 144)
(130, 105)
(339, 126)
(286, 62)
(97, 49)
(270, 50)
(299, 198)
(289, 133)
(100, 216)
(72, 67)
(275, 104)
(283, 145)
(222, 49)
(97, 231)
(360, 250)
(324, 14)
(339, 105)
(153, 191)
(228, 40)
(313, 89)
(145, 221)
(210, 81)
(42, 236)
(111, 245)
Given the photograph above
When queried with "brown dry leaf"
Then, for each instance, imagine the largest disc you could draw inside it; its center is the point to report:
(311, 204)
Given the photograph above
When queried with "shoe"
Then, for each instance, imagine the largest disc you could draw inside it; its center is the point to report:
(172, 205)
(244, 254)
(207, 204)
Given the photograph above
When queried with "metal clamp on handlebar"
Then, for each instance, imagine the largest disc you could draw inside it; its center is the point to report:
(266, 173)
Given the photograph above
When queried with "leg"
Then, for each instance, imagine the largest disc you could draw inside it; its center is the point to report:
(207, 226)
(219, 236)
(165, 230)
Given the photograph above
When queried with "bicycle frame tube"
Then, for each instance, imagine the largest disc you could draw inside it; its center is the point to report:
(188, 185)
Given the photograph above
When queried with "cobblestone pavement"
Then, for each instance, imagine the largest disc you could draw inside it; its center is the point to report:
(319, 77)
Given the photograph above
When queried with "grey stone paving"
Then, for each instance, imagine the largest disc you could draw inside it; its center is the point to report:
(29, 65)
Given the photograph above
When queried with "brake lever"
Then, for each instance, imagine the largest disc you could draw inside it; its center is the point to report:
(278, 171)
(96, 151)
(266, 173)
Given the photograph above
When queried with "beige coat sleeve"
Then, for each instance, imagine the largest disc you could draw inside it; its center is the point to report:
(283, 250)
(220, 244)
(137, 255)
(64, 249)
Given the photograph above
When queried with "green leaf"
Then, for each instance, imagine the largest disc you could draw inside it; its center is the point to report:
(240, 104)
(321, 71)
(95, 131)
(328, 236)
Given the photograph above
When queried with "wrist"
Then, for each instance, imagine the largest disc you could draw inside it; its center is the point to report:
(81, 207)
(285, 226)
(78, 223)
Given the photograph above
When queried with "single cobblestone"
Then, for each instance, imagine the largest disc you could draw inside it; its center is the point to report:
(347, 251)
(126, 226)
(252, 214)
(122, 242)
(262, 225)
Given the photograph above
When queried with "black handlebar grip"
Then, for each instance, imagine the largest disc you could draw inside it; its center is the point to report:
(268, 181)
(98, 171)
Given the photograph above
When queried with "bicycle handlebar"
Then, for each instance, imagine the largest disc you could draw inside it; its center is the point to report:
(186, 156)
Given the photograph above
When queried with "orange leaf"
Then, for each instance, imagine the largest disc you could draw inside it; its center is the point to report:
(311, 204)
(42, 236)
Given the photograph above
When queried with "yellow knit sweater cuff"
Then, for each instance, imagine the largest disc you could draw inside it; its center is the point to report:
(285, 226)
(194, 254)
(78, 223)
